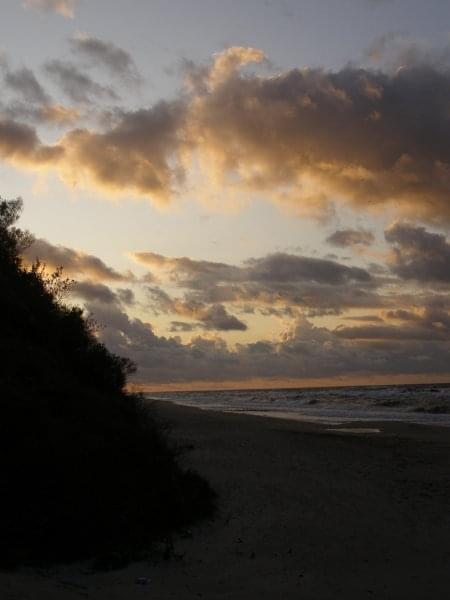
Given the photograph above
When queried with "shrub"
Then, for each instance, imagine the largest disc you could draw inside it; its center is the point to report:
(84, 469)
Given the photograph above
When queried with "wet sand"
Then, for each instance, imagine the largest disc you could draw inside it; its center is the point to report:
(304, 512)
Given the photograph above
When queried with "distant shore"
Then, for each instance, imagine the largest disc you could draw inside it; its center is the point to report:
(304, 512)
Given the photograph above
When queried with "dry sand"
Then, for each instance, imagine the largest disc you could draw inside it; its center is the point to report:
(303, 513)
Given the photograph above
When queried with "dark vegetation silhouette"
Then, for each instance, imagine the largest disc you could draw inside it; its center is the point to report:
(84, 469)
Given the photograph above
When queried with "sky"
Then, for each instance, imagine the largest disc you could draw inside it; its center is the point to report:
(249, 193)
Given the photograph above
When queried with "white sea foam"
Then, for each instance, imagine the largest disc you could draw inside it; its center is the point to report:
(422, 404)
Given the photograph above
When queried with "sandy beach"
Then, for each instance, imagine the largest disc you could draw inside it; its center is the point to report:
(304, 512)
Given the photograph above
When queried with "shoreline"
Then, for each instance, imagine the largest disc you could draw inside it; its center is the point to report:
(303, 513)
(404, 429)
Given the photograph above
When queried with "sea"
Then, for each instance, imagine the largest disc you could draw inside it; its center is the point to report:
(427, 404)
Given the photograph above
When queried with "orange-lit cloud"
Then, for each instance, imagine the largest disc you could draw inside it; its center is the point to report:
(66, 8)
(365, 138)
(134, 155)
(74, 262)
(60, 115)
(311, 127)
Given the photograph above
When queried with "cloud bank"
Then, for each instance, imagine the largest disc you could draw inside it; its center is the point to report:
(383, 329)
(303, 351)
(367, 139)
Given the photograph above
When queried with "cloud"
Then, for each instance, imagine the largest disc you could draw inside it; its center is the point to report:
(390, 332)
(59, 114)
(302, 351)
(419, 254)
(91, 291)
(182, 326)
(126, 296)
(377, 49)
(75, 263)
(34, 103)
(106, 54)
(411, 334)
(214, 317)
(24, 82)
(277, 267)
(66, 8)
(227, 63)
(278, 281)
(53, 114)
(365, 138)
(134, 155)
(185, 270)
(20, 145)
(399, 50)
(282, 267)
(78, 86)
(375, 318)
(345, 238)
(217, 318)
(370, 137)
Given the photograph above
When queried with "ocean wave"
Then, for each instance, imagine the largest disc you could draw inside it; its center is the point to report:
(428, 404)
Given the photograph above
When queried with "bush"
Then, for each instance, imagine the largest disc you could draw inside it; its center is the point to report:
(84, 470)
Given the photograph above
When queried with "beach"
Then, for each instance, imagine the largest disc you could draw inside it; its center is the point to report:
(304, 511)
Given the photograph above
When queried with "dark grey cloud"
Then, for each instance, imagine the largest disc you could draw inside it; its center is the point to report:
(276, 282)
(419, 254)
(76, 84)
(424, 317)
(391, 332)
(365, 318)
(32, 103)
(23, 82)
(92, 291)
(50, 114)
(126, 296)
(183, 326)
(20, 144)
(214, 317)
(74, 262)
(281, 267)
(277, 267)
(400, 314)
(106, 54)
(304, 351)
(345, 238)
(160, 300)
